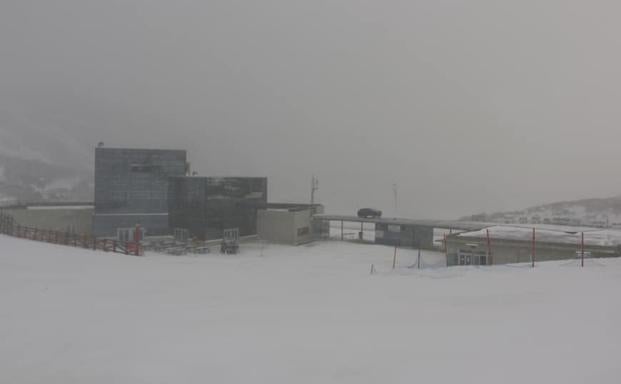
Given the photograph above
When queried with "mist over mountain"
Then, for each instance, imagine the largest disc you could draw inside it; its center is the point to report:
(597, 212)
(39, 167)
(477, 106)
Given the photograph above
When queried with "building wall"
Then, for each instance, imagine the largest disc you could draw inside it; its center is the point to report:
(302, 225)
(55, 219)
(208, 205)
(512, 251)
(285, 227)
(106, 225)
(404, 235)
(130, 182)
(276, 226)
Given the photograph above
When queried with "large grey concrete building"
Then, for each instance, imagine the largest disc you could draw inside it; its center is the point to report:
(131, 187)
(207, 205)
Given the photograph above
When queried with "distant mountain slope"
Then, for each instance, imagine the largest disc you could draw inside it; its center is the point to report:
(596, 212)
(41, 163)
(23, 179)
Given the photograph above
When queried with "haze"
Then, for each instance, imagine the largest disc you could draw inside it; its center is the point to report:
(468, 106)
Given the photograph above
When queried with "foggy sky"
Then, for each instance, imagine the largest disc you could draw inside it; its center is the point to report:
(468, 106)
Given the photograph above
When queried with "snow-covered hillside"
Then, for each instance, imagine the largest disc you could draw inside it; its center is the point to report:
(601, 213)
(31, 180)
(41, 163)
(314, 314)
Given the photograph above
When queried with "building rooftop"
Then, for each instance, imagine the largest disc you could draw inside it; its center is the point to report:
(549, 234)
(452, 224)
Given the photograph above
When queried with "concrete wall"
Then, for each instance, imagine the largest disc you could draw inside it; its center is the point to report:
(512, 251)
(276, 226)
(285, 227)
(303, 227)
(56, 219)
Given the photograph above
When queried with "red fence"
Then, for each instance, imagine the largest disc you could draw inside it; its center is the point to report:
(10, 228)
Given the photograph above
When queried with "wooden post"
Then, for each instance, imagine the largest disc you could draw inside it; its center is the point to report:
(582, 250)
(532, 257)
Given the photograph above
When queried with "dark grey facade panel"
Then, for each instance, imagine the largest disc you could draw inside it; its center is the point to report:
(208, 205)
(131, 187)
(135, 180)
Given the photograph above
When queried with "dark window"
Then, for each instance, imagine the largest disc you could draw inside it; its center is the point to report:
(303, 231)
(143, 168)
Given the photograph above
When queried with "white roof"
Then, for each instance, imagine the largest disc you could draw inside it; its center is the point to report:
(550, 234)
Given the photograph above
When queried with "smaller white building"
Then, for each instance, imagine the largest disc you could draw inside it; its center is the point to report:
(289, 224)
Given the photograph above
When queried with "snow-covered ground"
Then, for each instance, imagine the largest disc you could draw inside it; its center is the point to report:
(313, 314)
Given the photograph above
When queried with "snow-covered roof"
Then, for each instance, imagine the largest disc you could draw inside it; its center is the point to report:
(550, 234)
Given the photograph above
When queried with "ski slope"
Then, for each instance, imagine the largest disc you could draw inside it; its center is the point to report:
(314, 314)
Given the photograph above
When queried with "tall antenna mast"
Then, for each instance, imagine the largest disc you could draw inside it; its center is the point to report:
(314, 187)
(394, 191)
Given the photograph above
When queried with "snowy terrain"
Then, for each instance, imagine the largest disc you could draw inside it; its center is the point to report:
(314, 314)
(598, 212)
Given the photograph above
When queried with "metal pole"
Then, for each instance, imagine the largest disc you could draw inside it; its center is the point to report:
(418, 255)
(489, 248)
(314, 187)
(582, 248)
(394, 259)
(533, 250)
(342, 235)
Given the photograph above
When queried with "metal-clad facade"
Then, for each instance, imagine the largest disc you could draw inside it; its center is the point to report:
(208, 205)
(131, 187)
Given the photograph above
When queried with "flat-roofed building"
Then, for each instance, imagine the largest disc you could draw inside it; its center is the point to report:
(503, 244)
(131, 188)
(206, 206)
